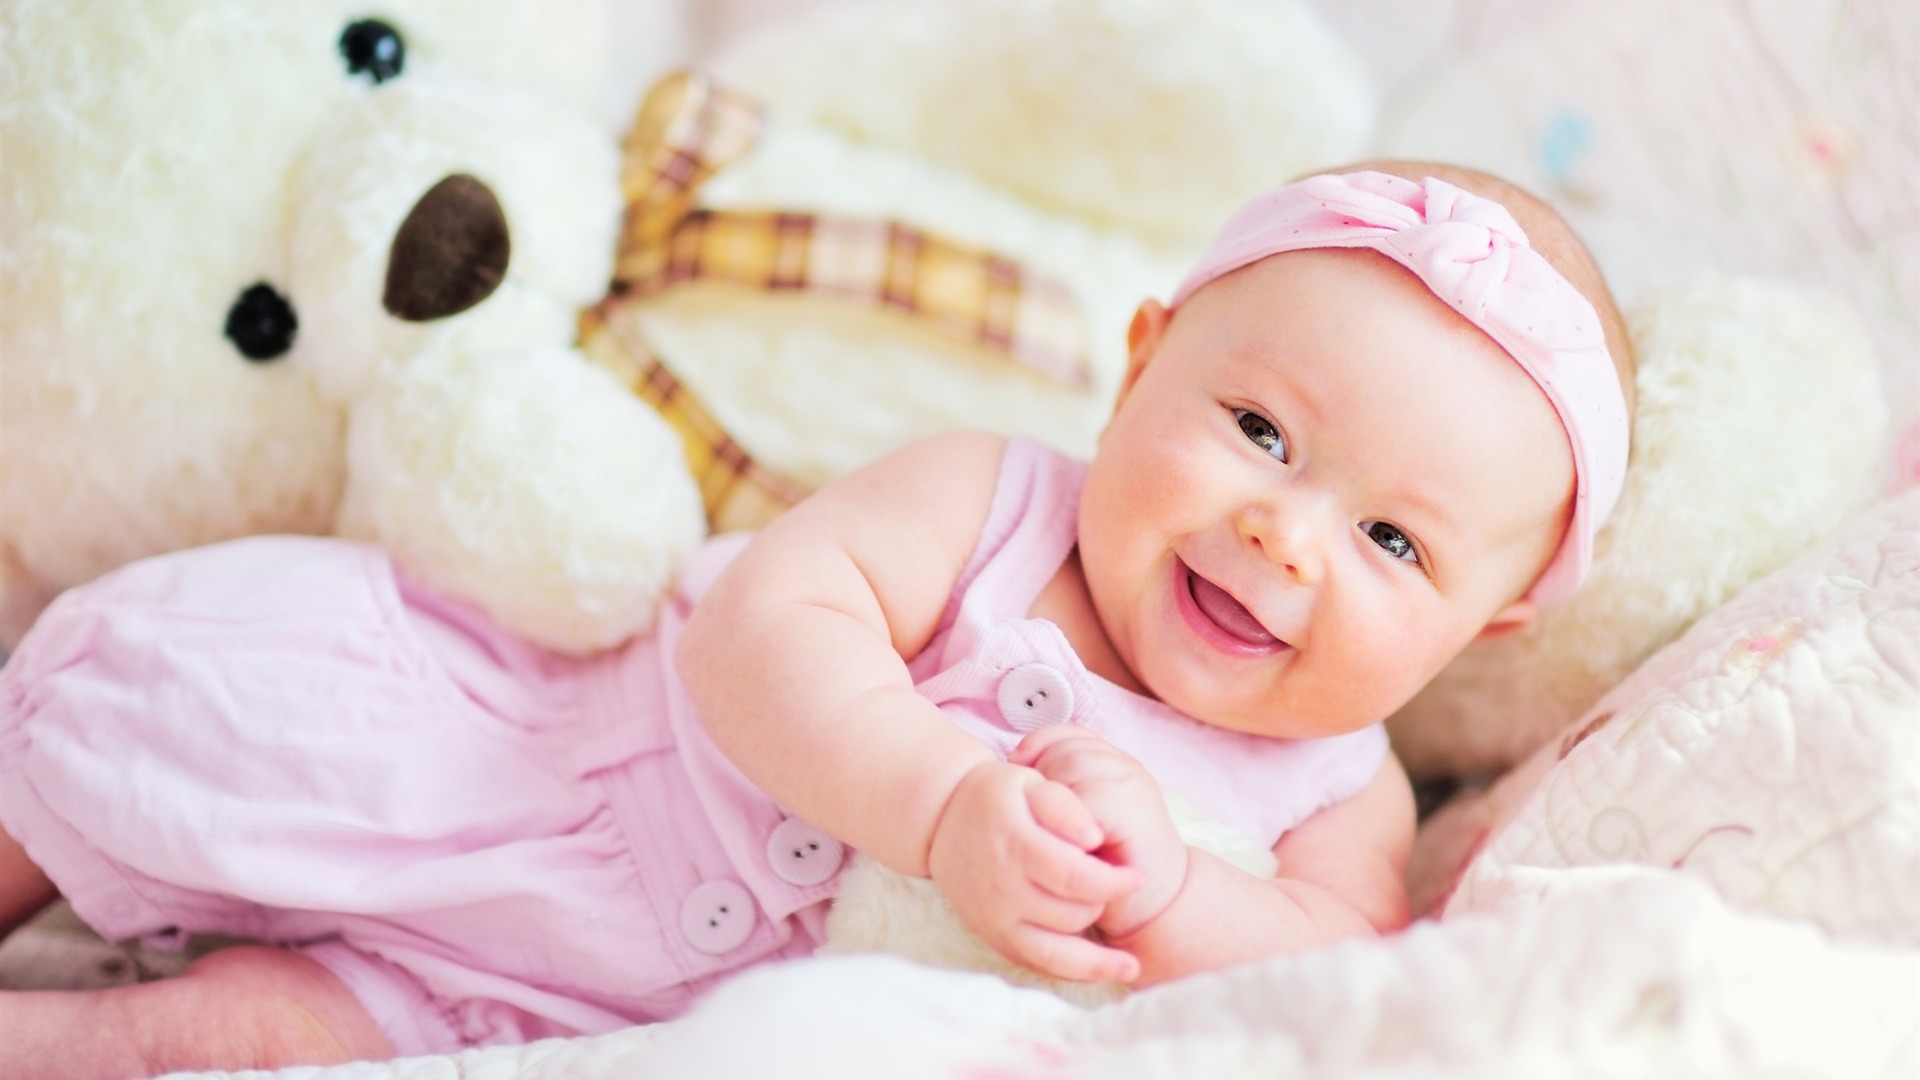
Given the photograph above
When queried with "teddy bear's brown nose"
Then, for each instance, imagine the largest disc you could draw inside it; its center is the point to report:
(450, 252)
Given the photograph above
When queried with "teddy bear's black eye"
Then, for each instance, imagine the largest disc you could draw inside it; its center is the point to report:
(374, 49)
(261, 323)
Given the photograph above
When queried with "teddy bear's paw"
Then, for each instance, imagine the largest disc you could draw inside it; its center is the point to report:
(528, 482)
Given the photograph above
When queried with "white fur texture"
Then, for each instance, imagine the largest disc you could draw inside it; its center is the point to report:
(163, 157)
(1761, 426)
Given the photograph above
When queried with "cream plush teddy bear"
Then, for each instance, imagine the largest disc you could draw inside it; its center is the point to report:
(317, 267)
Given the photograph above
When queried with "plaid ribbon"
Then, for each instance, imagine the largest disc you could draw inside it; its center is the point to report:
(688, 129)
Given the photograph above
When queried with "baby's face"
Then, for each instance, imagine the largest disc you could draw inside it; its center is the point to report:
(1319, 484)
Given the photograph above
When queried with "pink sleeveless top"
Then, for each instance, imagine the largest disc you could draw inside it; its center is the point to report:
(999, 674)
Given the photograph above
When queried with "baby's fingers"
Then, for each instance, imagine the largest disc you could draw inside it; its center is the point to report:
(1059, 811)
(1069, 956)
(1077, 875)
(1040, 740)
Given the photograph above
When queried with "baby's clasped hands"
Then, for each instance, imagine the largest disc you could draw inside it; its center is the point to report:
(1019, 855)
(1130, 811)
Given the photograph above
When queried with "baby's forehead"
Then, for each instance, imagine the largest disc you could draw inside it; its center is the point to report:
(1374, 317)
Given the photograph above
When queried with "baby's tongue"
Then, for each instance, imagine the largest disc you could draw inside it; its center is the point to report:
(1227, 612)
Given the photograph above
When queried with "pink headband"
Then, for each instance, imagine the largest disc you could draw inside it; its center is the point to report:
(1472, 254)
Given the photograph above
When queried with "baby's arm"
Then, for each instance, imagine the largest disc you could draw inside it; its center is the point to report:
(795, 662)
(1341, 872)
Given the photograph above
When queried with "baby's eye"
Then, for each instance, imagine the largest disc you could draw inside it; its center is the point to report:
(1262, 432)
(1391, 540)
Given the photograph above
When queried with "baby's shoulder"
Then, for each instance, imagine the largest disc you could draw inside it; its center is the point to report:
(958, 455)
(948, 478)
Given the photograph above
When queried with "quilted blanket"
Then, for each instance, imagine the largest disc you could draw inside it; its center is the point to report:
(1712, 874)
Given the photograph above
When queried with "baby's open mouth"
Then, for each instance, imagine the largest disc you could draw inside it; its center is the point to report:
(1218, 607)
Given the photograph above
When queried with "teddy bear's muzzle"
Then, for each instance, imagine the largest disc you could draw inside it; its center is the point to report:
(449, 254)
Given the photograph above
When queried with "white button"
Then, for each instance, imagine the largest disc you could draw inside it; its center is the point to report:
(1033, 696)
(717, 916)
(801, 854)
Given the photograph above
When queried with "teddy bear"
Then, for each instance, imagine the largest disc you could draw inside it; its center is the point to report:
(316, 267)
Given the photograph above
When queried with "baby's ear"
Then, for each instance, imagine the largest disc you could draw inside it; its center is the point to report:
(1143, 340)
(1514, 616)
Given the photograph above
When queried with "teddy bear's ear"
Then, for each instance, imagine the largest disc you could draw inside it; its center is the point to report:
(1760, 427)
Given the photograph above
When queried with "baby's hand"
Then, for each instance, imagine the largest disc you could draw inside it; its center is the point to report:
(1130, 810)
(1011, 853)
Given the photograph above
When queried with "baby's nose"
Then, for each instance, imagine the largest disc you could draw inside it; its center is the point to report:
(449, 254)
(1293, 535)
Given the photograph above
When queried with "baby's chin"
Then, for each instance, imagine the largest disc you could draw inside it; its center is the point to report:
(1304, 720)
(1289, 730)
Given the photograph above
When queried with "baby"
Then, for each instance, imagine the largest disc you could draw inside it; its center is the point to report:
(1378, 421)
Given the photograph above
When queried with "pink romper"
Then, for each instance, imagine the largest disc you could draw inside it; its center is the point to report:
(279, 738)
